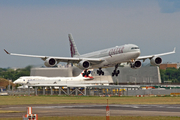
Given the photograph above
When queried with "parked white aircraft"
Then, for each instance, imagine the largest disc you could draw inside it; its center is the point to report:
(101, 59)
(53, 80)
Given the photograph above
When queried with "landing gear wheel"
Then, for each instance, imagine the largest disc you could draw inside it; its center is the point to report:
(86, 73)
(97, 71)
(116, 72)
(100, 72)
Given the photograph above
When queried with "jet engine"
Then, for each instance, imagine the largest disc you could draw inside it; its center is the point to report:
(84, 64)
(155, 61)
(50, 62)
(136, 64)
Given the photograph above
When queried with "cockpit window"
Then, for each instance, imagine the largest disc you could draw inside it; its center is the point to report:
(134, 48)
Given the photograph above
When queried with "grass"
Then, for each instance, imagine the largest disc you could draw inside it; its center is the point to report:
(20, 100)
(1, 111)
(101, 118)
(25, 100)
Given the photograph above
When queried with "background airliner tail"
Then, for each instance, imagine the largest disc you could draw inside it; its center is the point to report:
(73, 48)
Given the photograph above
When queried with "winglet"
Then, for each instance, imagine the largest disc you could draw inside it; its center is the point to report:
(6, 51)
(174, 50)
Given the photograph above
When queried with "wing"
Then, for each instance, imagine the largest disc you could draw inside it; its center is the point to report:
(156, 55)
(59, 59)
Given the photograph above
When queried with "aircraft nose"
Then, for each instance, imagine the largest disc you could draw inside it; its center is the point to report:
(16, 81)
(138, 53)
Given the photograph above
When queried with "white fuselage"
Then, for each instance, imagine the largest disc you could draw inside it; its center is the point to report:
(114, 55)
(40, 79)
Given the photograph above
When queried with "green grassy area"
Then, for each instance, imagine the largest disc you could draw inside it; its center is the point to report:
(102, 118)
(22, 100)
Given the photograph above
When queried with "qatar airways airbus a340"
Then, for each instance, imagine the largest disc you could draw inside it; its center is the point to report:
(110, 57)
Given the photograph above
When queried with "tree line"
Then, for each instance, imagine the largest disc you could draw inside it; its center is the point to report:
(170, 75)
(11, 74)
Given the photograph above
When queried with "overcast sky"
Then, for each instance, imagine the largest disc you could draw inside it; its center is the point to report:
(41, 27)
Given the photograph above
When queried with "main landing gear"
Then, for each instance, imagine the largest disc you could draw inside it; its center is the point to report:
(100, 72)
(86, 73)
(116, 72)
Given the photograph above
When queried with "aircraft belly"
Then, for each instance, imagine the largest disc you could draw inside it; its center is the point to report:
(115, 59)
(111, 61)
(131, 55)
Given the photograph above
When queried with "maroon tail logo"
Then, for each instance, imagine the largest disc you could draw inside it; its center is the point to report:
(72, 48)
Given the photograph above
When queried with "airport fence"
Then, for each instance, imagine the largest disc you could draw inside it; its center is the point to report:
(152, 92)
(21, 92)
(96, 92)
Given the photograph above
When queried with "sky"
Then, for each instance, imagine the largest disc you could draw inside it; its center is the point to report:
(42, 27)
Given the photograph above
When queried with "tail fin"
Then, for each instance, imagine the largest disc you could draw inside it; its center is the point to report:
(73, 48)
(86, 74)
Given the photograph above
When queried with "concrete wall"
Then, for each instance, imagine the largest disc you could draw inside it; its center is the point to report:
(127, 75)
(51, 72)
(142, 75)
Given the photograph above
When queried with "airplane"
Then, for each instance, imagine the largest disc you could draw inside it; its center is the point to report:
(40, 79)
(128, 53)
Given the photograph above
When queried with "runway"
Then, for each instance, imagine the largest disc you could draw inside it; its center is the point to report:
(92, 110)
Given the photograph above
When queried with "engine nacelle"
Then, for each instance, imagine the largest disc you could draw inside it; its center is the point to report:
(155, 61)
(136, 64)
(84, 64)
(50, 62)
